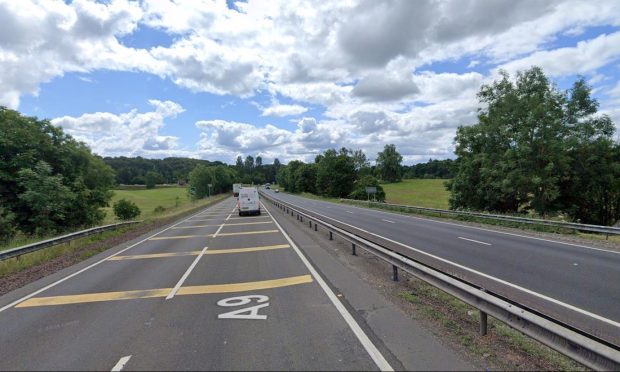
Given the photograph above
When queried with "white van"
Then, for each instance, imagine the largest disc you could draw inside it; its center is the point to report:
(249, 202)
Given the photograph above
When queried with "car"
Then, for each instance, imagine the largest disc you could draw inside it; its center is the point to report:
(249, 202)
(268, 187)
(277, 190)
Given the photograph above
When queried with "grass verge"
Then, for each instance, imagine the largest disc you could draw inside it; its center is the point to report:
(429, 193)
(63, 255)
(502, 348)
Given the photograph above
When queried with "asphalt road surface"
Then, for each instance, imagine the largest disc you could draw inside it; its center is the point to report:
(580, 285)
(214, 291)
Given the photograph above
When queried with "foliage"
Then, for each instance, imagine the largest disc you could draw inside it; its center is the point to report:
(360, 189)
(335, 174)
(133, 171)
(389, 164)
(152, 178)
(126, 210)
(48, 181)
(7, 225)
(444, 169)
(220, 177)
(159, 209)
(538, 149)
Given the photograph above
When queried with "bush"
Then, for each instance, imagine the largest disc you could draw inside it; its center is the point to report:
(159, 209)
(126, 210)
(7, 226)
(360, 189)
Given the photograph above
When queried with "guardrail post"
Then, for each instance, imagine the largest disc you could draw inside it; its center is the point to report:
(301, 218)
(297, 217)
(331, 236)
(483, 323)
(394, 273)
(353, 249)
(309, 223)
(315, 227)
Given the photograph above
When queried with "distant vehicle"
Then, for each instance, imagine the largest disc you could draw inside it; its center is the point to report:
(249, 202)
(236, 188)
(277, 190)
(268, 187)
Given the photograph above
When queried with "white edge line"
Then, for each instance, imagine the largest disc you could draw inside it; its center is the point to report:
(478, 228)
(88, 267)
(189, 270)
(121, 364)
(529, 291)
(372, 350)
(472, 240)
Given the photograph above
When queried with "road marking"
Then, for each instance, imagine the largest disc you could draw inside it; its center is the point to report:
(243, 218)
(189, 270)
(245, 313)
(121, 364)
(483, 229)
(192, 227)
(181, 237)
(249, 233)
(154, 255)
(370, 348)
(251, 249)
(88, 267)
(529, 291)
(162, 292)
(349, 212)
(475, 241)
(195, 253)
(249, 223)
(388, 221)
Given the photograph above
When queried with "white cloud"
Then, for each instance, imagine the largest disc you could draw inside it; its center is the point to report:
(132, 133)
(277, 109)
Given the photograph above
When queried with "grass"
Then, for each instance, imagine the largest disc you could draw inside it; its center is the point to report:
(147, 200)
(173, 199)
(418, 192)
(461, 321)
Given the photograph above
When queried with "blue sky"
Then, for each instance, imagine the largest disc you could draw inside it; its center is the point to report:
(217, 79)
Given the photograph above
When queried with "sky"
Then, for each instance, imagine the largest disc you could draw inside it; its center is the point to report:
(288, 80)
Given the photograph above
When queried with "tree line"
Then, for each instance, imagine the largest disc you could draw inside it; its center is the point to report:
(444, 169)
(537, 149)
(342, 174)
(49, 182)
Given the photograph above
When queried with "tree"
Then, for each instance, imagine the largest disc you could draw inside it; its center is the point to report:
(126, 210)
(152, 178)
(537, 149)
(7, 225)
(259, 161)
(45, 198)
(388, 164)
(305, 178)
(239, 164)
(335, 174)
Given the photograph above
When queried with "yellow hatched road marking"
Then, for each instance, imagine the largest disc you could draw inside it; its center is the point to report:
(181, 237)
(247, 223)
(243, 218)
(247, 233)
(196, 253)
(162, 292)
(153, 255)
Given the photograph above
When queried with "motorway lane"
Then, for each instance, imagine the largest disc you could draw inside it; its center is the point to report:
(583, 277)
(118, 308)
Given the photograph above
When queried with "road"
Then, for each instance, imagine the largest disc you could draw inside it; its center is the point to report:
(578, 284)
(213, 291)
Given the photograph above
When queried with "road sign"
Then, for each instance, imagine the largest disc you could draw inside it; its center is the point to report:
(371, 190)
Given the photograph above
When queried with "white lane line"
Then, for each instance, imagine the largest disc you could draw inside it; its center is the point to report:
(529, 291)
(228, 218)
(121, 364)
(90, 266)
(349, 212)
(371, 349)
(189, 270)
(482, 229)
(475, 241)
(388, 221)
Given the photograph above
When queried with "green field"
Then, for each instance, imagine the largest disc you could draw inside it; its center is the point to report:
(418, 192)
(174, 199)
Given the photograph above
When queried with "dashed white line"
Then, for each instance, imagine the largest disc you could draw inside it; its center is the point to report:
(387, 221)
(349, 212)
(121, 364)
(475, 241)
(189, 270)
